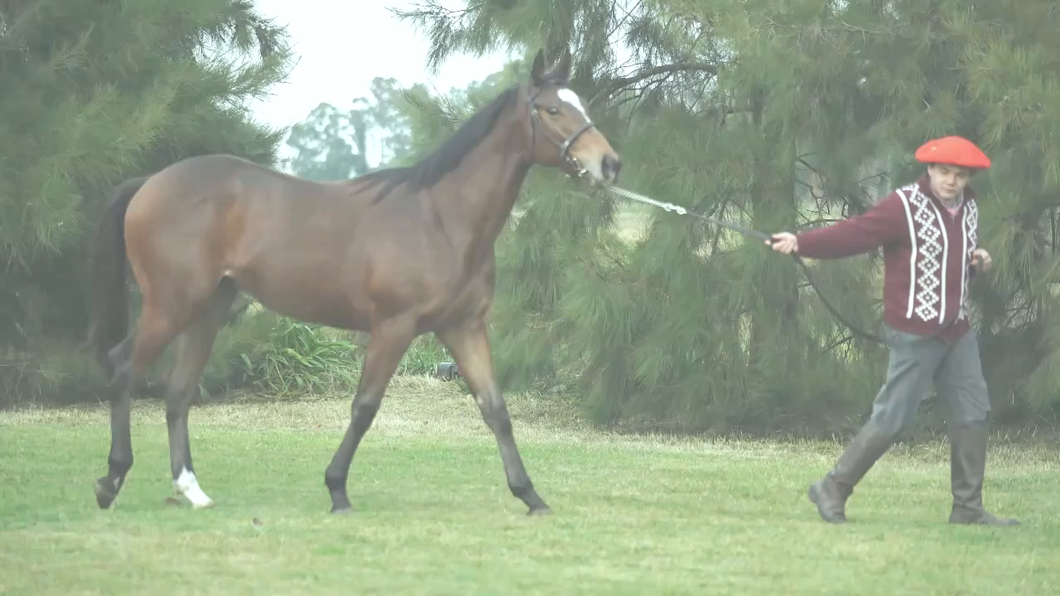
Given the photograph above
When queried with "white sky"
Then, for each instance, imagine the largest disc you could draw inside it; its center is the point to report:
(341, 45)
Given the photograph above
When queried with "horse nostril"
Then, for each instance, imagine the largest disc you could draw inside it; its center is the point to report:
(611, 166)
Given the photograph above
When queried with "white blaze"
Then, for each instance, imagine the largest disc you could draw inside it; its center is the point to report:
(571, 97)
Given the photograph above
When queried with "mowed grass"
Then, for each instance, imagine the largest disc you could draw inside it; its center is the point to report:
(633, 514)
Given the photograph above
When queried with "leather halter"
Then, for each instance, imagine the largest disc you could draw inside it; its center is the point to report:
(564, 147)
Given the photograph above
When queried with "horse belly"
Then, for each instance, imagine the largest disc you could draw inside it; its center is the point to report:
(303, 294)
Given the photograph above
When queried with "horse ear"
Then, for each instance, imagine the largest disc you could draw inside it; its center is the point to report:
(563, 68)
(537, 72)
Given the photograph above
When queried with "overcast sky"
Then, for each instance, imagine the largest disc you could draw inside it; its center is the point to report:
(341, 45)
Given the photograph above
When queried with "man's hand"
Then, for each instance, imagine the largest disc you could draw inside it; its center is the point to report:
(785, 243)
(981, 259)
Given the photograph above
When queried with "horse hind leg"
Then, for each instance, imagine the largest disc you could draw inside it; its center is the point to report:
(154, 330)
(120, 458)
(193, 347)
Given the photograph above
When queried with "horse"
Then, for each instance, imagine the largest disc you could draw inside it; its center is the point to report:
(396, 253)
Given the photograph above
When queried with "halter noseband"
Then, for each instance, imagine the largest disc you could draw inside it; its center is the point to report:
(564, 147)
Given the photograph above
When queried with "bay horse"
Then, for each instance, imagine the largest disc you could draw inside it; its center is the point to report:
(397, 252)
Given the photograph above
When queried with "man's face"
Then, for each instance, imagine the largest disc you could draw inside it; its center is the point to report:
(947, 182)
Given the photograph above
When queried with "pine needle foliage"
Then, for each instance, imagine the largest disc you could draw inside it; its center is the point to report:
(777, 115)
(94, 92)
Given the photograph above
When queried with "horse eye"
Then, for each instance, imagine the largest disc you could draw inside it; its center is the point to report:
(553, 110)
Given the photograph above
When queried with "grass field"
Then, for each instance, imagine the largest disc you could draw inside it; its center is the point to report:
(633, 515)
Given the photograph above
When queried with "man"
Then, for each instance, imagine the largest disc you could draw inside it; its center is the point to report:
(928, 231)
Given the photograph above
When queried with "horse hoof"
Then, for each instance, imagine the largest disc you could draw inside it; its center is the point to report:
(206, 505)
(104, 495)
(340, 503)
(173, 501)
(539, 512)
(341, 510)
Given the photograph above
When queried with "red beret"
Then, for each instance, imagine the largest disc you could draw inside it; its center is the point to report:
(953, 150)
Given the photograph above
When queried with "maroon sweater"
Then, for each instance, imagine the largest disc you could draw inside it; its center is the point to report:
(927, 256)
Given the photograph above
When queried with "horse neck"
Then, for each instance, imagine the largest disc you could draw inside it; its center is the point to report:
(489, 179)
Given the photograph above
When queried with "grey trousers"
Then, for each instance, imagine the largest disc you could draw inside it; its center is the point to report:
(917, 363)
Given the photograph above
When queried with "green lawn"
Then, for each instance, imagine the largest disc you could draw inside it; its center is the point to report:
(634, 515)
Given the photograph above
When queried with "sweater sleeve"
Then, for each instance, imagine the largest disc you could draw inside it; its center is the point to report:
(883, 224)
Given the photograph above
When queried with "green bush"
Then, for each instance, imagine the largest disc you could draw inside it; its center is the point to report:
(50, 372)
(295, 359)
(259, 353)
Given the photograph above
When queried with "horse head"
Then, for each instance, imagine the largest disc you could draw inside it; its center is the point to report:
(558, 115)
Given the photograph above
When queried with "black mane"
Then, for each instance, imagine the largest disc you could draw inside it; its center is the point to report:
(447, 156)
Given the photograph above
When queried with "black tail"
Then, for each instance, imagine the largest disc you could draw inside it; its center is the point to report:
(110, 306)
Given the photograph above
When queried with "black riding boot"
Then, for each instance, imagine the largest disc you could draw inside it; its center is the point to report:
(830, 493)
(967, 468)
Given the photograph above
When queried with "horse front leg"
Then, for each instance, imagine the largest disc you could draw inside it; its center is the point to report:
(389, 341)
(470, 347)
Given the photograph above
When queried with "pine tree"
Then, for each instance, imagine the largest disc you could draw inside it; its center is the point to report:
(94, 92)
(778, 116)
(1010, 90)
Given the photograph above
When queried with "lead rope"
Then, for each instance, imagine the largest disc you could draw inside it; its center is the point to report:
(670, 207)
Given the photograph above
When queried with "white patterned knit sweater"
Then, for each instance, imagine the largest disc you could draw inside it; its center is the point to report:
(927, 256)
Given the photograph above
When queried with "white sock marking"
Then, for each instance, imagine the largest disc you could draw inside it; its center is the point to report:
(187, 485)
(572, 98)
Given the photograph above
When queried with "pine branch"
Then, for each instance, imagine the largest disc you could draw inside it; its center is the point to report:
(615, 85)
(809, 167)
(846, 339)
(447, 28)
(590, 267)
(625, 18)
(820, 221)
